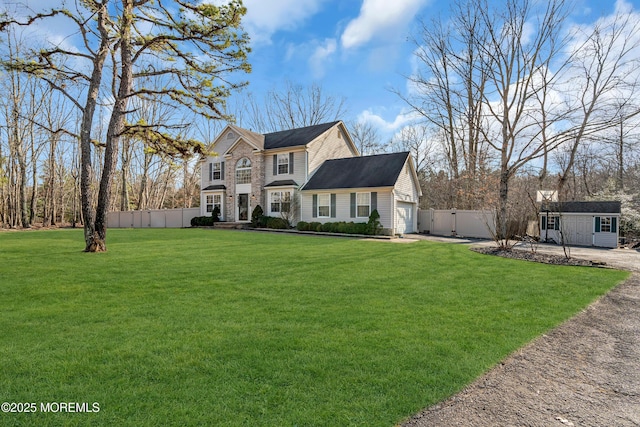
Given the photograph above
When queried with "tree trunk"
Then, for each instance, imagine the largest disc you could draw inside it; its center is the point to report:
(114, 130)
(93, 242)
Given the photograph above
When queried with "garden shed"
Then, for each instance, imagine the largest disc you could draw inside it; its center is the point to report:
(581, 223)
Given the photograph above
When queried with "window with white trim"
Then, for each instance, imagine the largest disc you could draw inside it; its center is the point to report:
(605, 224)
(280, 201)
(283, 164)
(216, 171)
(324, 205)
(363, 205)
(243, 171)
(213, 201)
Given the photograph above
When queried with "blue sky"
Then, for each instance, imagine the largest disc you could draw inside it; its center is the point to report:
(358, 49)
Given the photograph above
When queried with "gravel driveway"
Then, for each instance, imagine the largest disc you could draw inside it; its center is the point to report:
(586, 372)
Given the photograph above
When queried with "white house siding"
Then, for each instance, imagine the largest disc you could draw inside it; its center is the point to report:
(204, 172)
(299, 167)
(328, 146)
(221, 145)
(606, 240)
(406, 188)
(343, 206)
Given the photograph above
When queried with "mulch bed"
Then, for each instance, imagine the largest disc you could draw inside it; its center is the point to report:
(537, 257)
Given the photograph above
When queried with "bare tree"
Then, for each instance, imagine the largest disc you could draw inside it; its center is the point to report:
(292, 107)
(366, 138)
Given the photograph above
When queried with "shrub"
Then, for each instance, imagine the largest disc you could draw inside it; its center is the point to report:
(302, 226)
(373, 226)
(313, 226)
(276, 223)
(215, 214)
(202, 221)
(257, 217)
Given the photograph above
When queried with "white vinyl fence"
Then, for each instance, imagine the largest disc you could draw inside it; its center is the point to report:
(460, 223)
(158, 218)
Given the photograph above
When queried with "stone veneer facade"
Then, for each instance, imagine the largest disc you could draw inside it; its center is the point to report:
(257, 179)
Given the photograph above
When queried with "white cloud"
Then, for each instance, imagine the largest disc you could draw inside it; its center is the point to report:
(322, 56)
(377, 17)
(264, 18)
(387, 129)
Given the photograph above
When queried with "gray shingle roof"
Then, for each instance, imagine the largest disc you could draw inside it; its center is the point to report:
(604, 207)
(295, 137)
(380, 170)
(282, 183)
(215, 187)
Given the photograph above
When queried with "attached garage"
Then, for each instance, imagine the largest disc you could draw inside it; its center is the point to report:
(405, 217)
(581, 223)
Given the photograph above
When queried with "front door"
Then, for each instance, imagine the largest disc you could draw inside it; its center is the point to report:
(243, 207)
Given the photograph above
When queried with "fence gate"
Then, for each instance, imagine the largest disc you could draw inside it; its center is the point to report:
(460, 223)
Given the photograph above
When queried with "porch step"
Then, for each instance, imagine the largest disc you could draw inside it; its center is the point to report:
(231, 225)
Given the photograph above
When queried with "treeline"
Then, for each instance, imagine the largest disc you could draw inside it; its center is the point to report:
(40, 162)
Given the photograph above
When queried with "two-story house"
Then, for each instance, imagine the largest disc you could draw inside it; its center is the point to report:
(275, 171)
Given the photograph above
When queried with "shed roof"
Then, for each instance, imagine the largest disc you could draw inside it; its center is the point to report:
(381, 170)
(611, 207)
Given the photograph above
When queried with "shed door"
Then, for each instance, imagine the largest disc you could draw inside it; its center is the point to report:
(578, 230)
(404, 218)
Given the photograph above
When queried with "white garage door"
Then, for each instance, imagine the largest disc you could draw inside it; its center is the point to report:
(404, 218)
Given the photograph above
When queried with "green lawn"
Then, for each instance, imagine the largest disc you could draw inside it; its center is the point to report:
(204, 327)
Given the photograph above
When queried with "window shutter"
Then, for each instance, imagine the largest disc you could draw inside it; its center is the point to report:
(544, 223)
(290, 163)
(314, 213)
(614, 224)
(210, 171)
(597, 224)
(353, 205)
(221, 170)
(374, 200)
(556, 224)
(333, 205)
(275, 164)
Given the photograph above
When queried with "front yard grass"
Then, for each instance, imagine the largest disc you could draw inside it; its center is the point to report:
(213, 327)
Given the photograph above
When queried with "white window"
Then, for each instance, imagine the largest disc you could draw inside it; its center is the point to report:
(283, 164)
(551, 223)
(324, 205)
(363, 204)
(605, 224)
(213, 201)
(280, 201)
(243, 171)
(216, 171)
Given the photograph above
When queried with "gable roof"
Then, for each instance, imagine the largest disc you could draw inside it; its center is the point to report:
(381, 170)
(296, 137)
(612, 207)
